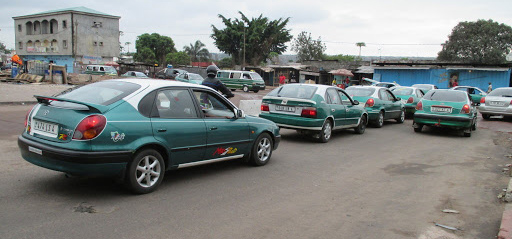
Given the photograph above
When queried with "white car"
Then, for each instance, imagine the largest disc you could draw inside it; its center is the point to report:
(497, 102)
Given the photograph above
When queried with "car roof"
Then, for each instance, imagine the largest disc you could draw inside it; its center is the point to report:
(368, 86)
(152, 84)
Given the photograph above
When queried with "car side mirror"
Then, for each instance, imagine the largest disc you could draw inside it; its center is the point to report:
(239, 113)
(398, 98)
(356, 102)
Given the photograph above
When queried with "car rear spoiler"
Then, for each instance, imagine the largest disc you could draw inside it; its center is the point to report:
(92, 107)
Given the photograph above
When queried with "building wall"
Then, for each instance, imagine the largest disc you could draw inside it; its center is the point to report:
(96, 40)
(58, 60)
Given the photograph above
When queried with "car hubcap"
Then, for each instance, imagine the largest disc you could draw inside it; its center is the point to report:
(264, 149)
(381, 119)
(402, 116)
(148, 171)
(327, 131)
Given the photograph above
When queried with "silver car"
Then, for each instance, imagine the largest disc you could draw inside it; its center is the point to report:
(498, 102)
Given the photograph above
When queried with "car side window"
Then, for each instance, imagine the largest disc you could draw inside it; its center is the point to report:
(383, 95)
(333, 97)
(247, 76)
(390, 95)
(213, 106)
(419, 93)
(175, 104)
(344, 98)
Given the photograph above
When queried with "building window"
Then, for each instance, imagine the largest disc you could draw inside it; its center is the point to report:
(101, 43)
(19, 27)
(64, 24)
(65, 44)
(20, 44)
(95, 43)
(97, 24)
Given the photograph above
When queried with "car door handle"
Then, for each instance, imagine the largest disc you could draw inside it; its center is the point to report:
(162, 130)
(213, 128)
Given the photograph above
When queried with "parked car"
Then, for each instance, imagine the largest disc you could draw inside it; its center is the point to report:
(380, 103)
(425, 87)
(136, 74)
(387, 84)
(100, 70)
(410, 96)
(245, 80)
(446, 108)
(475, 92)
(190, 78)
(139, 128)
(497, 102)
(314, 110)
(169, 73)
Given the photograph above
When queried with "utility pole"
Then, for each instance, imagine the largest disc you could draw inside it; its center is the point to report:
(243, 64)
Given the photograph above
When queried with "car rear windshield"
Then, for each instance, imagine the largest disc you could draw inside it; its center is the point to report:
(360, 91)
(294, 91)
(402, 91)
(423, 87)
(101, 93)
(446, 95)
(501, 93)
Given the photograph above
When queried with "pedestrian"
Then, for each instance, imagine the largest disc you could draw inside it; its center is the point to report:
(489, 88)
(282, 80)
(146, 72)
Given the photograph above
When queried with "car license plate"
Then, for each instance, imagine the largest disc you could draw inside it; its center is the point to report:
(285, 108)
(44, 128)
(497, 103)
(441, 109)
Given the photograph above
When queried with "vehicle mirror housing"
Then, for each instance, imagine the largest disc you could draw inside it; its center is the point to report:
(398, 98)
(356, 102)
(239, 113)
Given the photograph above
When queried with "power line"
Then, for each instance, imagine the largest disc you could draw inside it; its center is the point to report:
(387, 44)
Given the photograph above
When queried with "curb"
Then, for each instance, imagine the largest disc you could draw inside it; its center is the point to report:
(19, 103)
(505, 231)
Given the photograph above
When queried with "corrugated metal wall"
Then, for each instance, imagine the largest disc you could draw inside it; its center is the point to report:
(440, 77)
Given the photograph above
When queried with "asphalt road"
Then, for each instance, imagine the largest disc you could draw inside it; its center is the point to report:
(387, 183)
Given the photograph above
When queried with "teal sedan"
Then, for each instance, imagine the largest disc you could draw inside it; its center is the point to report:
(381, 103)
(190, 78)
(314, 110)
(139, 128)
(475, 93)
(410, 96)
(446, 108)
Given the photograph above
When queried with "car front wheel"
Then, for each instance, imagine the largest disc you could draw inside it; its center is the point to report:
(401, 118)
(145, 172)
(245, 89)
(362, 125)
(261, 150)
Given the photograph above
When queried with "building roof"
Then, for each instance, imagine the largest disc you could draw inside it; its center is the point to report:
(72, 9)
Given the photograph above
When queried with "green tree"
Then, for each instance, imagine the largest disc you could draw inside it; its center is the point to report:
(360, 44)
(341, 58)
(3, 49)
(197, 52)
(159, 45)
(307, 48)
(482, 41)
(178, 58)
(226, 62)
(255, 38)
(145, 55)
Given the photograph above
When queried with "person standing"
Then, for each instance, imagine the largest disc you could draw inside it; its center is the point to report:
(489, 88)
(282, 79)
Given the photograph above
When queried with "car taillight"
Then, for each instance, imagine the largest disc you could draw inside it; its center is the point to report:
(482, 101)
(90, 127)
(369, 103)
(264, 107)
(419, 106)
(309, 112)
(465, 109)
(410, 100)
(26, 118)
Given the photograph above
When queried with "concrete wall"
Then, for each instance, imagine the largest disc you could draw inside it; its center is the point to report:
(100, 40)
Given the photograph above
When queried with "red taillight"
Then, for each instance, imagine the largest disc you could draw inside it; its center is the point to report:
(309, 112)
(482, 101)
(410, 100)
(264, 107)
(90, 127)
(465, 109)
(419, 106)
(369, 103)
(26, 118)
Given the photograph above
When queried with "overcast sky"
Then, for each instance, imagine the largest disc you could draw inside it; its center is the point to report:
(389, 28)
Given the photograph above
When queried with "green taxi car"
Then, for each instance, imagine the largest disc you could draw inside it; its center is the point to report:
(410, 96)
(244, 80)
(446, 108)
(139, 128)
(314, 110)
(190, 78)
(476, 93)
(381, 103)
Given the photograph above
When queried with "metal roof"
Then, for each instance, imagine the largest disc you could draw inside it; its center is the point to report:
(72, 9)
(477, 68)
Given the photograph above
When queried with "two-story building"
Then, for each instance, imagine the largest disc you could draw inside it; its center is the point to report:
(70, 37)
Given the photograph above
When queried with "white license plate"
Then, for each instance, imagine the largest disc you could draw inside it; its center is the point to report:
(441, 109)
(496, 103)
(285, 108)
(44, 128)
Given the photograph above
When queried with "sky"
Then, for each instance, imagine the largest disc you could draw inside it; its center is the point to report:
(408, 28)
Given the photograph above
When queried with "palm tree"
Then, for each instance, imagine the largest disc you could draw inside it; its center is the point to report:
(197, 52)
(128, 44)
(360, 44)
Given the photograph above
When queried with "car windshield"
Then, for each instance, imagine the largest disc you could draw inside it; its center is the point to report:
(101, 93)
(360, 91)
(294, 91)
(256, 76)
(402, 91)
(501, 93)
(446, 95)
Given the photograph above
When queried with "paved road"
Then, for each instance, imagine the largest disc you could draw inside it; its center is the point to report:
(387, 183)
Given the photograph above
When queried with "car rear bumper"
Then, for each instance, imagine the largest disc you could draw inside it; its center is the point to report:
(443, 120)
(294, 122)
(494, 110)
(73, 162)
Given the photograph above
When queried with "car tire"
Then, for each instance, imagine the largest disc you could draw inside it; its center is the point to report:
(326, 132)
(245, 88)
(256, 91)
(362, 125)
(418, 128)
(401, 118)
(147, 165)
(473, 127)
(486, 116)
(467, 133)
(380, 120)
(261, 150)
(233, 89)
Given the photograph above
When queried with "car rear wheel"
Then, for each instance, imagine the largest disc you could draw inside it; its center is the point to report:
(261, 150)
(245, 88)
(486, 116)
(467, 132)
(380, 120)
(417, 127)
(473, 127)
(145, 172)
(401, 118)
(362, 125)
(326, 132)
(256, 91)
